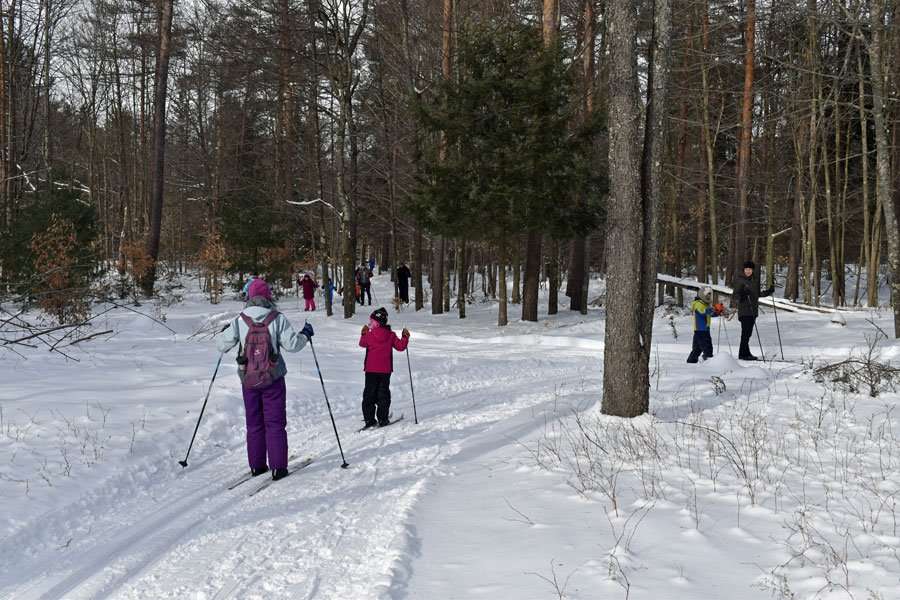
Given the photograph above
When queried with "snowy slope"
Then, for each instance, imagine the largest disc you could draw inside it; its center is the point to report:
(466, 504)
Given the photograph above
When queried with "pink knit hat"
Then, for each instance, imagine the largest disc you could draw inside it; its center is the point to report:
(258, 287)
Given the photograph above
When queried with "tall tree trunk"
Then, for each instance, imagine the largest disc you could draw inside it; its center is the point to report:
(437, 276)
(709, 143)
(792, 285)
(461, 277)
(533, 247)
(517, 272)
(634, 198)
(553, 277)
(502, 312)
(161, 80)
(655, 144)
(417, 269)
(883, 153)
(743, 160)
(867, 247)
(348, 235)
(448, 269)
(623, 394)
(284, 114)
(439, 273)
(578, 275)
(45, 81)
(5, 171)
(532, 282)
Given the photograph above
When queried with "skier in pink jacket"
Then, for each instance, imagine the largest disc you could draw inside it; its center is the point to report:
(380, 343)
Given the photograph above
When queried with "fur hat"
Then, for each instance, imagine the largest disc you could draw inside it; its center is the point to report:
(749, 264)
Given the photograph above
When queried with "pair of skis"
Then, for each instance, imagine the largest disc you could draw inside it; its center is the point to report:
(370, 427)
(294, 464)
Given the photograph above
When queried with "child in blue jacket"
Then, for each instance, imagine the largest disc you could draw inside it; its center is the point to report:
(702, 313)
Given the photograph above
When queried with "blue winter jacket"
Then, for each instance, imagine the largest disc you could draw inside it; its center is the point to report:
(703, 314)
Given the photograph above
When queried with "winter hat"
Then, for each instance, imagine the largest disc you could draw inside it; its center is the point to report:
(380, 316)
(259, 288)
(749, 264)
(705, 293)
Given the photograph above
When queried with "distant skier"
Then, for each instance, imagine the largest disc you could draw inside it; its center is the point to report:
(246, 288)
(329, 290)
(364, 280)
(403, 277)
(308, 286)
(746, 291)
(702, 313)
(261, 333)
(372, 264)
(379, 342)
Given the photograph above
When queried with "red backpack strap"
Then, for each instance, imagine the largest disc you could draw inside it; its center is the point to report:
(276, 343)
(247, 320)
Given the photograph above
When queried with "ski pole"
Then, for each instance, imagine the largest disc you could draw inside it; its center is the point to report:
(728, 339)
(777, 327)
(328, 404)
(412, 389)
(184, 462)
(719, 337)
(759, 340)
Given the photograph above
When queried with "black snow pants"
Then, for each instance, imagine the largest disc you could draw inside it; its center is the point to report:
(747, 324)
(376, 402)
(702, 345)
(365, 289)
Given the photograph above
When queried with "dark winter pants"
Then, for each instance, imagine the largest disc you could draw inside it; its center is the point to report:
(702, 344)
(747, 324)
(376, 402)
(365, 289)
(266, 422)
(403, 289)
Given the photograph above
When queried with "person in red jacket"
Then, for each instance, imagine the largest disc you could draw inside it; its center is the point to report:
(380, 343)
(308, 286)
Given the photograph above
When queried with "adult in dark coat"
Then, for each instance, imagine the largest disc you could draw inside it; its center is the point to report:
(747, 294)
(364, 279)
(403, 277)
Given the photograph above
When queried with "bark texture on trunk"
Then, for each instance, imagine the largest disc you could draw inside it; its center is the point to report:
(635, 178)
(743, 169)
(161, 80)
(883, 154)
(532, 277)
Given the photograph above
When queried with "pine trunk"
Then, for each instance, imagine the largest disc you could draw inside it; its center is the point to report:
(161, 81)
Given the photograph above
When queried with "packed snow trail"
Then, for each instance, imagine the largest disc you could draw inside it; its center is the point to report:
(322, 533)
(96, 506)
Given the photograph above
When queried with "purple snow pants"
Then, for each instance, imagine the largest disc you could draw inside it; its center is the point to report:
(266, 422)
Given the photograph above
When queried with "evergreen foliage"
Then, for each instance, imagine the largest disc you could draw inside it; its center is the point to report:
(27, 263)
(514, 159)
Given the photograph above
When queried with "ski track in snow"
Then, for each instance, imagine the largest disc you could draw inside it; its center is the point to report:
(434, 510)
(324, 532)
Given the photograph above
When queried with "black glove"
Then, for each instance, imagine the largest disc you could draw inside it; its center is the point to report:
(769, 291)
(307, 331)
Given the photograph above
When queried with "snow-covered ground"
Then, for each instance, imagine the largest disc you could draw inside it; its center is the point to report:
(748, 481)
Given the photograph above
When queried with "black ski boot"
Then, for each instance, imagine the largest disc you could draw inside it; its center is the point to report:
(279, 474)
(259, 471)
